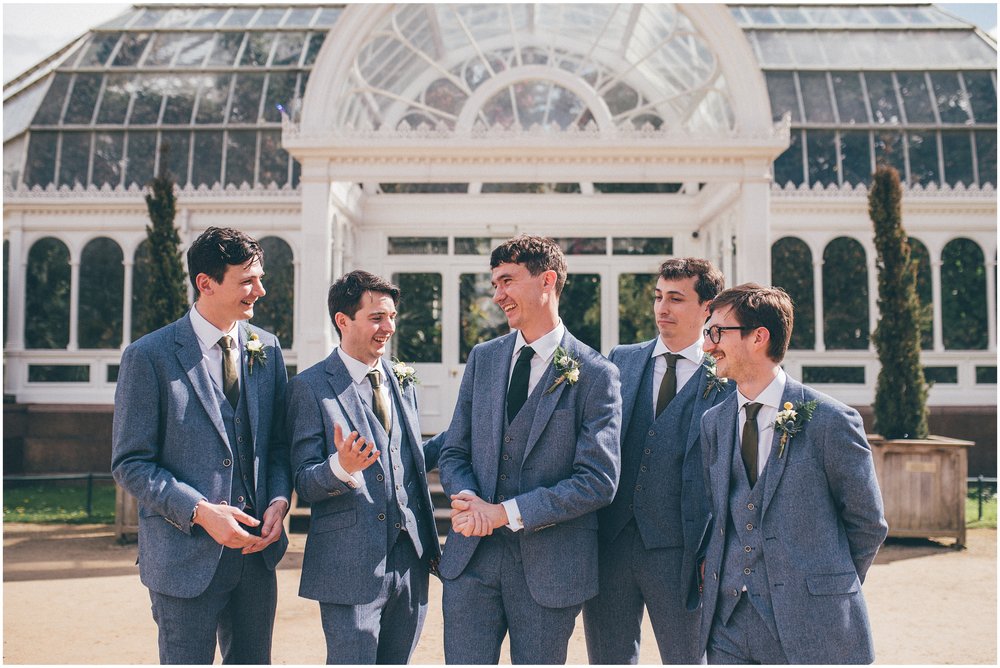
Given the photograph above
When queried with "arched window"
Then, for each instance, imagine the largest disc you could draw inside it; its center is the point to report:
(963, 296)
(140, 286)
(919, 254)
(46, 304)
(276, 311)
(791, 270)
(102, 286)
(845, 295)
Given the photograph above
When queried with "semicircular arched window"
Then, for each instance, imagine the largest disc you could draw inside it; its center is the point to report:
(275, 312)
(963, 296)
(845, 295)
(46, 304)
(791, 270)
(102, 287)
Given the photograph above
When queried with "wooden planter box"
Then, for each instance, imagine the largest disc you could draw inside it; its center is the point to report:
(126, 516)
(923, 485)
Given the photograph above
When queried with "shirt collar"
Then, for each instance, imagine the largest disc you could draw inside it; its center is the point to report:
(207, 333)
(693, 353)
(771, 396)
(544, 346)
(358, 370)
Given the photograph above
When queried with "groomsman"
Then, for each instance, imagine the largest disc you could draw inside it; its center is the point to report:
(797, 511)
(531, 454)
(649, 535)
(358, 459)
(198, 438)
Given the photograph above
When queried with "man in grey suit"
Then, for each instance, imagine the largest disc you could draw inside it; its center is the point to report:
(649, 534)
(198, 438)
(795, 506)
(532, 453)
(372, 539)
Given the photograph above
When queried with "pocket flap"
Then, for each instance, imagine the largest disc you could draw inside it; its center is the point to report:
(836, 583)
(337, 520)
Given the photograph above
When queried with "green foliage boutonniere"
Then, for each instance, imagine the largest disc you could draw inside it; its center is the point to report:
(567, 366)
(255, 350)
(792, 420)
(405, 374)
(712, 382)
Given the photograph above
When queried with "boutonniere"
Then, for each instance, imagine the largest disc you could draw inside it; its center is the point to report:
(712, 381)
(255, 350)
(792, 420)
(405, 374)
(567, 366)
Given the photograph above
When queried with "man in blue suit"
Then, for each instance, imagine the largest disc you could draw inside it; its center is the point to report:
(372, 539)
(649, 534)
(198, 438)
(795, 506)
(532, 453)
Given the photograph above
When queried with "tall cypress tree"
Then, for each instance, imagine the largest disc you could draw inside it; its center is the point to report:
(164, 296)
(901, 392)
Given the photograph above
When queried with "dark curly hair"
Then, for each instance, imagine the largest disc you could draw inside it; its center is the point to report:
(537, 254)
(346, 292)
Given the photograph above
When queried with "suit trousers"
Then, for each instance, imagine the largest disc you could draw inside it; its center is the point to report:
(745, 639)
(386, 630)
(237, 608)
(490, 598)
(632, 577)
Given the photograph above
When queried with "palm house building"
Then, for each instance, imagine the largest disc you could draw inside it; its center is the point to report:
(409, 139)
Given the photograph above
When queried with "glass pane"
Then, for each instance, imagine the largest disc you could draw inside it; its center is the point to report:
(581, 297)
(843, 375)
(114, 103)
(47, 287)
(315, 42)
(193, 48)
(150, 17)
(246, 98)
(952, 104)
(328, 16)
(422, 188)
(855, 157)
(174, 149)
(889, 149)
(131, 49)
(816, 97)
(268, 18)
(82, 99)
(227, 45)
(792, 270)
(642, 246)
(638, 188)
(418, 324)
(276, 311)
(58, 373)
(845, 295)
(288, 49)
(963, 296)
(635, 307)
(473, 245)
(916, 97)
(273, 159)
(982, 94)
(241, 153)
(956, 149)
(919, 254)
(788, 166)
(923, 158)
(300, 16)
(781, 90)
(207, 168)
(141, 152)
(212, 99)
(986, 152)
(535, 188)
(74, 159)
(583, 245)
(941, 374)
(148, 99)
(822, 156)
(882, 94)
(851, 101)
(240, 17)
(99, 50)
(418, 245)
(257, 50)
(40, 168)
(102, 288)
(180, 104)
(480, 319)
(51, 107)
(208, 18)
(986, 375)
(108, 158)
(280, 91)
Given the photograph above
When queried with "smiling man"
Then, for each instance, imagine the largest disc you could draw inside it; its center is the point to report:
(198, 438)
(532, 453)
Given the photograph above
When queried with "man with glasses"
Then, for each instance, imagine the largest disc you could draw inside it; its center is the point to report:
(649, 534)
(796, 510)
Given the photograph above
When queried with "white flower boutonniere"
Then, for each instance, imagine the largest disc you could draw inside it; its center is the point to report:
(255, 350)
(712, 382)
(792, 420)
(567, 366)
(405, 374)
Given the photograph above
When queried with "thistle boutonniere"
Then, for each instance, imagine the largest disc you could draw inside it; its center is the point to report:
(255, 350)
(405, 374)
(712, 381)
(792, 420)
(567, 366)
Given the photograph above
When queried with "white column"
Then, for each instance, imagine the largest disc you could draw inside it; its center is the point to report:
(74, 302)
(818, 303)
(753, 230)
(872, 296)
(313, 331)
(16, 285)
(991, 302)
(937, 326)
(127, 303)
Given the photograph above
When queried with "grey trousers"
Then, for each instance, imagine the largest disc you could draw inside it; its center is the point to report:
(744, 640)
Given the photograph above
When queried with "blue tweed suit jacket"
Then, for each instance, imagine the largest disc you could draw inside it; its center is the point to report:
(569, 470)
(170, 450)
(822, 523)
(345, 554)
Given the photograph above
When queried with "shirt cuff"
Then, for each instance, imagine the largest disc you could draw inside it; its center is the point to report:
(513, 515)
(356, 481)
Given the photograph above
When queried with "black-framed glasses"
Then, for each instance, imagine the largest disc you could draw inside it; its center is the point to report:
(714, 333)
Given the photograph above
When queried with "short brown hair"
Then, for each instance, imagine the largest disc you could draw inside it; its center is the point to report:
(537, 254)
(709, 279)
(756, 306)
(218, 248)
(346, 292)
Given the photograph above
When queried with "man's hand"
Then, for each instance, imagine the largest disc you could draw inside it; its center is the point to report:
(353, 453)
(222, 522)
(471, 516)
(272, 526)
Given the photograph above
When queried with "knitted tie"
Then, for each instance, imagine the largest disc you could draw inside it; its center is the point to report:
(379, 406)
(668, 386)
(748, 444)
(517, 393)
(230, 380)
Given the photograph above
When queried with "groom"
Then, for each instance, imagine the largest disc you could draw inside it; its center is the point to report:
(532, 453)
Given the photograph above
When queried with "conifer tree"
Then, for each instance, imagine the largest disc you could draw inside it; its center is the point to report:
(163, 297)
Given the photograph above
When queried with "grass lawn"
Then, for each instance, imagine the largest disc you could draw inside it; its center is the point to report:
(62, 502)
(989, 520)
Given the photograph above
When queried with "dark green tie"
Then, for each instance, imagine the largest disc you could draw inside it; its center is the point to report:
(748, 444)
(517, 393)
(230, 379)
(668, 386)
(379, 406)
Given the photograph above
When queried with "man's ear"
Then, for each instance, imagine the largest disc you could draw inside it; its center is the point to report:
(549, 277)
(762, 337)
(340, 318)
(204, 283)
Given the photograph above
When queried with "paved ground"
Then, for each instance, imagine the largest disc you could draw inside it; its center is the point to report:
(71, 595)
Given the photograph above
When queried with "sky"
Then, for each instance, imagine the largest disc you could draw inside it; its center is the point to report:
(33, 31)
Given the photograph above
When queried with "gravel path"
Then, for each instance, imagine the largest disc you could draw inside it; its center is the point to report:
(71, 595)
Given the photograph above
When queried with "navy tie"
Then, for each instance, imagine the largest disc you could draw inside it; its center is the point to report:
(517, 393)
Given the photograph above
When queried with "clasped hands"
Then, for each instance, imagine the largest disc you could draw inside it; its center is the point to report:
(471, 516)
(224, 523)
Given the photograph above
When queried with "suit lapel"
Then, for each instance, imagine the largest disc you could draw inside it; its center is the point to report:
(499, 376)
(409, 417)
(701, 403)
(252, 381)
(347, 396)
(792, 393)
(548, 401)
(634, 366)
(193, 362)
(721, 464)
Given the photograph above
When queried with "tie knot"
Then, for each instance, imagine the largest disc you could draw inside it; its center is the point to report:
(671, 359)
(752, 409)
(226, 343)
(527, 352)
(375, 378)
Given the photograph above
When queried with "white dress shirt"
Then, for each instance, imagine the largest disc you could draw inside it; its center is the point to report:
(770, 400)
(208, 337)
(691, 358)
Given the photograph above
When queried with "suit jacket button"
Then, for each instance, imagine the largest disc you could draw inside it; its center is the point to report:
(506, 457)
(506, 439)
(736, 592)
(336, 492)
(749, 527)
(503, 476)
(750, 506)
(648, 451)
(747, 548)
(381, 517)
(652, 433)
(227, 462)
(240, 499)
(501, 498)
(642, 468)
(746, 571)
(638, 488)
(380, 477)
(397, 525)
